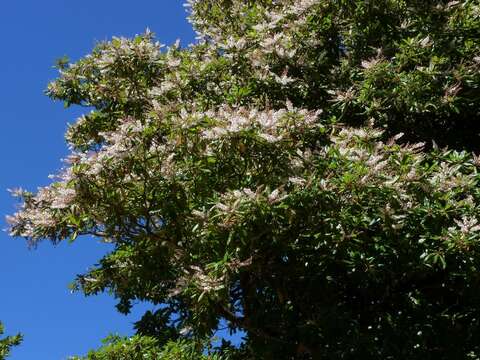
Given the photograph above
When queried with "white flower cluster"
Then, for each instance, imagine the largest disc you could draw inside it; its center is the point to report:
(124, 49)
(200, 279)
(271, 125)
(273, 37)
(449, 177)
(39, 211)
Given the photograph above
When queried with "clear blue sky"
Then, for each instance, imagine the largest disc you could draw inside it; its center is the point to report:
(34, 297)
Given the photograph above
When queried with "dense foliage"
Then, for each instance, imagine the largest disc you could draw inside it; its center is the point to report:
(270, 177)
(146, 348)
(7, 343)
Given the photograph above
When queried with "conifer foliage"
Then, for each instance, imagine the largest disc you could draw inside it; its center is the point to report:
(303, 173)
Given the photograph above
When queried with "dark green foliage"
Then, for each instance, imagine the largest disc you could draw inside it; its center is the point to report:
(159, 325)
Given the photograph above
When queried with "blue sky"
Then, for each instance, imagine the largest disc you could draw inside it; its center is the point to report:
(34, 297)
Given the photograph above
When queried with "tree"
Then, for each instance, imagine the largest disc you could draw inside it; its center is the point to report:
(7, 343)
(271, 177)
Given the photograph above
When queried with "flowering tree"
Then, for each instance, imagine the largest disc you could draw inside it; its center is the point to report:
(271, 177)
